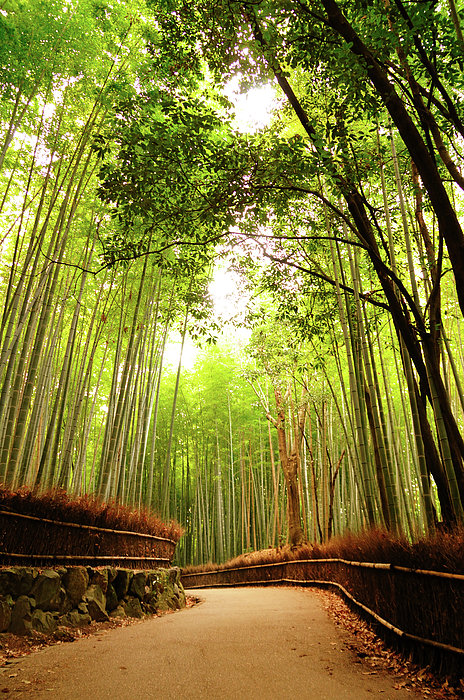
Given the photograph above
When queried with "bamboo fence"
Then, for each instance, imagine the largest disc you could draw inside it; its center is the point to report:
(34, 541)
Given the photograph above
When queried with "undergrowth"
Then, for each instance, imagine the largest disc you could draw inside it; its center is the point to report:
(57, 504)
(441, 551)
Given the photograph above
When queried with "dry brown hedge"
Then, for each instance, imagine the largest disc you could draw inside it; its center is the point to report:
(441, 551)
(57, 504)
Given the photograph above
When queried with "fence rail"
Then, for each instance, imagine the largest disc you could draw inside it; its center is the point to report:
(361, 564)
(416, 606)
(35, 541)
(85, 527)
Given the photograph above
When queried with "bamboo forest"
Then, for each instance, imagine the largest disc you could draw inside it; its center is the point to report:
(302, 161)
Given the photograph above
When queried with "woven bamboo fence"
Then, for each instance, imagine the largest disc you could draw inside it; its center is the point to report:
(26, 540)
(416, 608)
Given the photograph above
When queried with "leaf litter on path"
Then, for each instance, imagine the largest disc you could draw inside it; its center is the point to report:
(374, 652)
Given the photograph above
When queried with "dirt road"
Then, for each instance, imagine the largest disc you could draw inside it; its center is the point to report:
(250, 643)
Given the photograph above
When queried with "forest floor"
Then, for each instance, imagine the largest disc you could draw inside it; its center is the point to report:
(240, 643)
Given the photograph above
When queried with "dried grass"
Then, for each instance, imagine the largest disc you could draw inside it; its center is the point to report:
(57, 504)
(441, 551)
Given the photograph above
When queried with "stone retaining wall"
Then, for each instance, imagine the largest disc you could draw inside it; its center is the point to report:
(42, 600)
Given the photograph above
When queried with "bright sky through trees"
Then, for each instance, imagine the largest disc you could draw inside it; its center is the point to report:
(230, 303)
(253, 111)
(253, 107)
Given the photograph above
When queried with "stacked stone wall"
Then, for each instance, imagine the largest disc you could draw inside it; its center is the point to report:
(36, 600)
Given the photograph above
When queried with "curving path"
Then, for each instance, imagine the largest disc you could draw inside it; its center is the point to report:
(247, 643)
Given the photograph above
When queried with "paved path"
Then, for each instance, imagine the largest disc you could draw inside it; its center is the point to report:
(247, 643)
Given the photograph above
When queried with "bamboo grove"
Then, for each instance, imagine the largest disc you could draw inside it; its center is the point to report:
(82, 348)
(124, 178)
